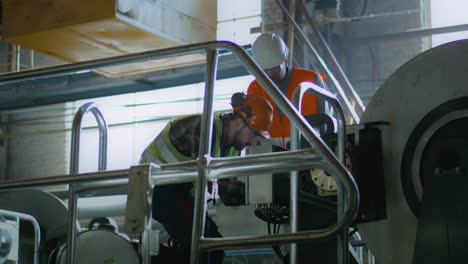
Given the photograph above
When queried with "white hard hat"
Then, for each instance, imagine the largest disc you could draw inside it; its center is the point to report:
(269, 50)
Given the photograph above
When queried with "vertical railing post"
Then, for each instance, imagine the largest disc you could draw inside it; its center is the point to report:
(74, 167)
(293, 178)
(206, 134)
(342, 241)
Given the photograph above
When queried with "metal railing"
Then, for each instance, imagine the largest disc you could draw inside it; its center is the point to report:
(206, 167)
(325, 95)
(74, 168)
(34, 223)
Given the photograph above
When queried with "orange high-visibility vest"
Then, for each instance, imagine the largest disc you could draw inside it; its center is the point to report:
(281, 127)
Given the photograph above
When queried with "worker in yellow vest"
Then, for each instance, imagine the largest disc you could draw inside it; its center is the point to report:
(179, 141)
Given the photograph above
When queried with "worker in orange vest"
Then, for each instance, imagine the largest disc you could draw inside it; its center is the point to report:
(271, 53)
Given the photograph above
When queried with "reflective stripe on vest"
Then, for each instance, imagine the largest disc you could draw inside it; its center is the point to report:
(162, 151)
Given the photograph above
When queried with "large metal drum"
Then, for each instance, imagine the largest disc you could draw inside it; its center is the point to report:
(425, 102)
(101, 246)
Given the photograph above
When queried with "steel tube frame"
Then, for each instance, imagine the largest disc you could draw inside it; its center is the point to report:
(206, 133)
(329, 97)
(74, 168)
(410, 33)
(35, 224)
(332, 164)
(220, 168)
(343, 255)
(293, 178)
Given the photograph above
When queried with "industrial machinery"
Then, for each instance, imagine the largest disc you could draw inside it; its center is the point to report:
(416, 124)
(138, 181)
(425, 159)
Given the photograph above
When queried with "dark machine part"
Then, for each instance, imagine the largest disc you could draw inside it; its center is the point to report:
(314, 211)
(26, 242)
(307, 189)
(434, 181)
(106, 223)
(324, 4)
(6, 240)
(364, 149)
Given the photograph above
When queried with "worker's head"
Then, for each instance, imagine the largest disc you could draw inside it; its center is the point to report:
(270, 52)
(253, 117)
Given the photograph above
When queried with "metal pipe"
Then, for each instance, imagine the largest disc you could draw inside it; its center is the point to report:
(410, 33)
(31, 59)
(263, 16)
(63, 179)
(370, 257)
(359, 250)
(75, 68)
(219, 168)
(293, 175)
(17, 65)
(35, 224)
(72, 218)
(74, 168)
(247, 241)
(271, 167)
(292, 10)
(206, 134)
(331, 98)
(75, 140)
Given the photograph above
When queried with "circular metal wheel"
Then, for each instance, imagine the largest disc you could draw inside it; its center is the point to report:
(425, 103)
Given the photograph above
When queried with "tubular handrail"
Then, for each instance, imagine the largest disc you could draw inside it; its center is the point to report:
(332, 163)
(303, 127)
(181, 172)
(333, 100)
(35, 224)
(76, 129)
(329, 97)
(334, 61)
(74, 167)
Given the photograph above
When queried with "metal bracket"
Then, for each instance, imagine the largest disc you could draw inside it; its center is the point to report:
(154, 242)
(140, 192)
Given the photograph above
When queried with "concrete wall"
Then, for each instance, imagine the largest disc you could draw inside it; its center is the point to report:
(370, 62)
(37, 141)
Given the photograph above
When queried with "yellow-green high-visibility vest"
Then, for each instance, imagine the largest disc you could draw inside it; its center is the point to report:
(162, 151)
